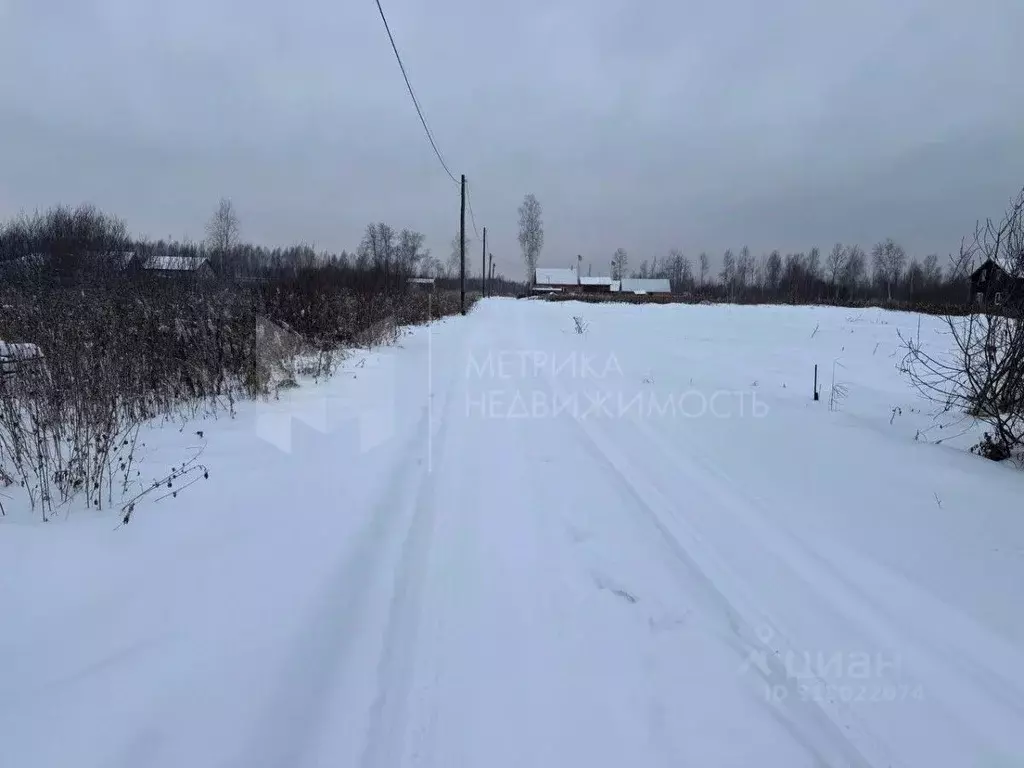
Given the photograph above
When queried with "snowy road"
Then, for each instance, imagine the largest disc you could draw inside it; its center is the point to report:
(563, 549)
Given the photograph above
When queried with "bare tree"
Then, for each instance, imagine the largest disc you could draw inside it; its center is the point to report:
(454, 262)
(855, 269)
(814, 263)
(834, 263)
(760, 268)
(531, 234)
(887, 261)
(895, 259)
(378, 244)
(680, 271)
(915, 279)
(704, 266)
(879, 271)
(744, 267)
(983, 375)
(619, 262)
(409, 252)
(773, 271)
(728, 273)
(932, 272)
(222, 230)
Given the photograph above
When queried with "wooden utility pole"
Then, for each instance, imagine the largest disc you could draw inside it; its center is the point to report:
(483, 266)
(490, 271)
(462, 247)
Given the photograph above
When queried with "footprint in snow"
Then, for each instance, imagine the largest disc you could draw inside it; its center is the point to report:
(602, 582)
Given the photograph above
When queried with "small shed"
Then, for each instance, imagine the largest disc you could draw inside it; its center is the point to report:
(179, 267)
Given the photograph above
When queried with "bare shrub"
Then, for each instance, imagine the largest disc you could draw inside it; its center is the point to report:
(92, 347)
(983, 374)
(111, 359)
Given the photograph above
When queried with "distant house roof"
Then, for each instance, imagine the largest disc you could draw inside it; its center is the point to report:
(991, 269)
(421, 280)
(645, 285)
(556, 276)
(176, 263)
(596, 280)
(19, 351)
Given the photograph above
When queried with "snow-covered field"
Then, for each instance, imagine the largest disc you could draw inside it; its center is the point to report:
(504, 543)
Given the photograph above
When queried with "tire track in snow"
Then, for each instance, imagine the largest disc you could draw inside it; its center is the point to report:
(313, 669)
(805, 720)
(315, 672)
(951, 676)
(387, 733)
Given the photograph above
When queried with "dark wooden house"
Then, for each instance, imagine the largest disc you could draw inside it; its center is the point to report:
(992, 285)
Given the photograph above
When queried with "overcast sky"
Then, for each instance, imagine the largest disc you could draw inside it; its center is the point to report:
(698, 124)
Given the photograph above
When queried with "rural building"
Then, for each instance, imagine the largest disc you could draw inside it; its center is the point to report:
(554, 279)
(179, 267)
(597, 284)
(991, 285)
(657, 286)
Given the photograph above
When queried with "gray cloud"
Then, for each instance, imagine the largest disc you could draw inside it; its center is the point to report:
(701, 125)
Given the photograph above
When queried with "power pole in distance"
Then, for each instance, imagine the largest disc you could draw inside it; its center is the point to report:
(490, 271)
(462, 247)
(483, 266)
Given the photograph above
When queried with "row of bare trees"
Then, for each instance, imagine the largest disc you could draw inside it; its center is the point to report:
(846, 272)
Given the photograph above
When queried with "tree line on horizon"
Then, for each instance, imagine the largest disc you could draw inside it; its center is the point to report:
(384, 256)
(846, 273)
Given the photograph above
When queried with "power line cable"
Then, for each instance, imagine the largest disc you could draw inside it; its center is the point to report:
(415, 101)
(472, 216)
